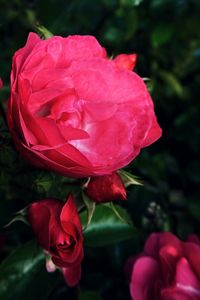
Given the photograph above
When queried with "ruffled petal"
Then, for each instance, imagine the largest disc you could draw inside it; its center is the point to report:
(145, 273)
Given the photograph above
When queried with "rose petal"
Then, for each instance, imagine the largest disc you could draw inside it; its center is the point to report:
(193, 238)
(192, 253)
(168, 256)
(99, 111)
(117, 85)
(126, 61)
(186, 280)
(39, 217)
(41, 160)
(81, 47)
(72, 275)
(175, 294)
(21, 55)
(69, 213)
(145, 273)
(158, 240)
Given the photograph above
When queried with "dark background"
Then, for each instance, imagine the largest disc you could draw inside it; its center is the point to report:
(165, 34)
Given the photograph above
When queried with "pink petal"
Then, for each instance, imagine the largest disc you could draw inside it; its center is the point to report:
(99, 111)
(80, 47)
(168, 256)
(43, 97)
(174, 293)
(47, 77)
(71, 133)
(55, 47)
(154, 132)
(65, 103)
(192, 254)
(117, 85)
(186, 280)
(193, 238)
(145, 273)
(158, 240)
(22, 54)
(40, 159)
(67, 155)
(107, 144)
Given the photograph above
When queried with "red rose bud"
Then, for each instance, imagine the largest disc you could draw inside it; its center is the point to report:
(58, 229)
(75, 111)
(167, 269)
(126, 61)
(1, 83)
(106, 188)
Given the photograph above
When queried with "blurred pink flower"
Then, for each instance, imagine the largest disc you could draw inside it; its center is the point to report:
(168, 269)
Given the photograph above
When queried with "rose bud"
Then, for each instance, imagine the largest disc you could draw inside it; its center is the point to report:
(1, 83)
(168, 269)
(106, 188)
(126, 61)
(75, 111)
(58, 230)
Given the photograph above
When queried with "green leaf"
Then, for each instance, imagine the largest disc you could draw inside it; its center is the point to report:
(19, 216)
(173, 82)
(107, 226)
(45, 33)
(43, 183)
(89, 295)
(90, 208)
(129, 179)
(22, 272)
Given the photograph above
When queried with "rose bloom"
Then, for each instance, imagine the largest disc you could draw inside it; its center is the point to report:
(168, 269)
(75, 111)
(58, 229)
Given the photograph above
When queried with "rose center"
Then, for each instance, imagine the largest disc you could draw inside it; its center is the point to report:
(67, 244)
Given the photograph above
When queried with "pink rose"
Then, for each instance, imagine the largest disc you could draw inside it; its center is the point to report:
(58, 229)
(168, 269)
(75, 111)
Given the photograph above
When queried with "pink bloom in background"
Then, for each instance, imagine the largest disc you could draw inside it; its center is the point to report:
(58, 229)
(106, 188)
(1, 83)
(75, 111)
(168, 269)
